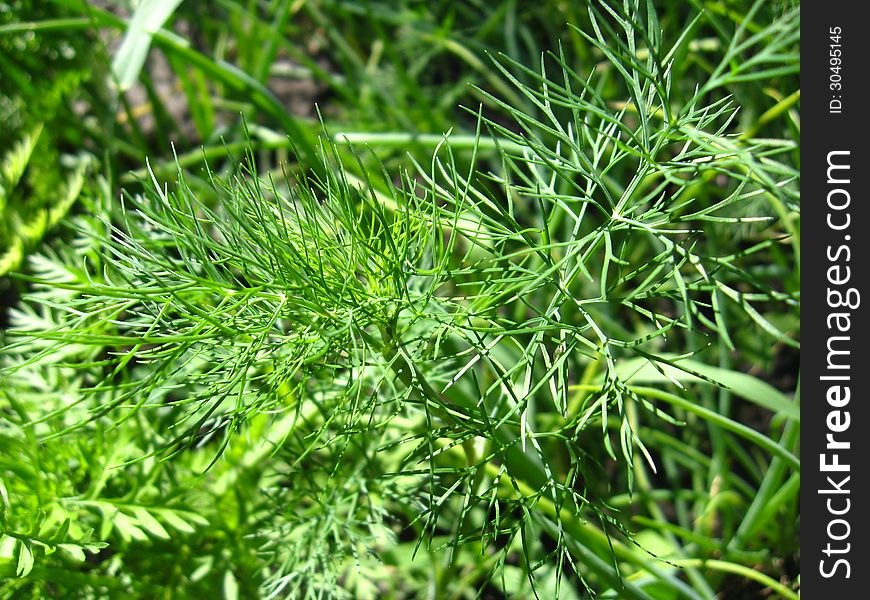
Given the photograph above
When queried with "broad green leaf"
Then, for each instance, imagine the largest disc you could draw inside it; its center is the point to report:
(75, 553)
(639, 371)
(149, 523)
(172, 519)
(149, 17)
(25, 560)
(128, 529)
(231, 586)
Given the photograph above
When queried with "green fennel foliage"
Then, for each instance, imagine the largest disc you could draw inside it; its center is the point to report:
(427, 350)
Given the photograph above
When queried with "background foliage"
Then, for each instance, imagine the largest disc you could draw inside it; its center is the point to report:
(399, 300)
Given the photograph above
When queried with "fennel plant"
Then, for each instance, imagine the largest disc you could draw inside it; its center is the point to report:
(454, 358)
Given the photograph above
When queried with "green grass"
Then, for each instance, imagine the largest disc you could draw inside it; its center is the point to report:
(513, 312)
